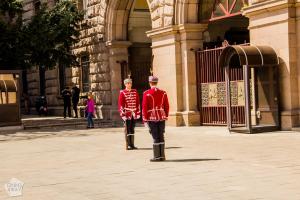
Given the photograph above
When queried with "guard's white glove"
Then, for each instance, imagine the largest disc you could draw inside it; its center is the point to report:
(124, 118)
(138, 116)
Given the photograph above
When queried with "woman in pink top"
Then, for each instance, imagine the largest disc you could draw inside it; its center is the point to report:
(90, 108)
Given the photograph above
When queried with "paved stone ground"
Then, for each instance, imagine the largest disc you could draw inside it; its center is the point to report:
(204, 163)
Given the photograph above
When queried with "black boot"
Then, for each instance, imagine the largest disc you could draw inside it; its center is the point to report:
(128, 142)
(162, 152)
(156, 153)
(132, 142)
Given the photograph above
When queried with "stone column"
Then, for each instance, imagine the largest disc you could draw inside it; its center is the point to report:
(167, 66)
(274, 23)
(191, 39)
(118, 51)
(174, 64)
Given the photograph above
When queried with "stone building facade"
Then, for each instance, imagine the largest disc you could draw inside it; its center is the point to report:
(50, 79)
(164, 33)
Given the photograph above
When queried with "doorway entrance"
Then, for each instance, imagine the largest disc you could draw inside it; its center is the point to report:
(226, 26)
(140, 52)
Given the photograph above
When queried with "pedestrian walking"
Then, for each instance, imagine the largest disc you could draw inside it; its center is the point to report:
(129, 108)
(75, 99)
(155, 111)
(90, 110)
(66, 94)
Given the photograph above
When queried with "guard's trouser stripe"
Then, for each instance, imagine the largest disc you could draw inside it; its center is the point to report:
(158, 143)
(157, 158)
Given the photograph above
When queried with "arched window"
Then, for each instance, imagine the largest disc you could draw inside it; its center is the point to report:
(85, 73)
(211, 10)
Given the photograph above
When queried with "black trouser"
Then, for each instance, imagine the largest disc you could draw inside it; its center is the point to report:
(129, 132)
(157, 130)
(67, 105)
(75, 104)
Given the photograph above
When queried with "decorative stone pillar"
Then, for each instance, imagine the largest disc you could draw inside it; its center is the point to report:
(174, 64)
(274, 23)
(118, 51)
(191, 39)
(167, 66)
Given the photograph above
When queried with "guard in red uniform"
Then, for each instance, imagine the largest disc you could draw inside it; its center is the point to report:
(129, 108)
(155, 113)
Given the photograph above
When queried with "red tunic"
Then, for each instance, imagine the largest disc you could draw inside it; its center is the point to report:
(129, 104)
(155, 105)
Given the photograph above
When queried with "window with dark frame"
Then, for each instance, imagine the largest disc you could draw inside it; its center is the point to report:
(62, 76)
(85, 73)
(37, 6)
(80, 5)
(42, 75)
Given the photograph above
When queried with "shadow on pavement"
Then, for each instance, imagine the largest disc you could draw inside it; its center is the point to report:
(165, 148)
(13, 135)
(193, 160)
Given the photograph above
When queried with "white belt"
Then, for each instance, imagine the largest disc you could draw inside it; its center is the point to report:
(156, 110)
(132, 110)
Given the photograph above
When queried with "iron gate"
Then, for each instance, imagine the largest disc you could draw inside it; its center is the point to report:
(211, 88)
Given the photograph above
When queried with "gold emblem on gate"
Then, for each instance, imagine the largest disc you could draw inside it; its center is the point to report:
(213, 94)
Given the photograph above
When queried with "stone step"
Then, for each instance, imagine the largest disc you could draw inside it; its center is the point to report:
(49, 122)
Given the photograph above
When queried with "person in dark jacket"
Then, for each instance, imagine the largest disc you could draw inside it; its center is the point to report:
(41, 105)
(66, 94)
(75, 99)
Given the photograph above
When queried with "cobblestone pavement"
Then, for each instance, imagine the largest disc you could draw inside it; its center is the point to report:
(204, 163)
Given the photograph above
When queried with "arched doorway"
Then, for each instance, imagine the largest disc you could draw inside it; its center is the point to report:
(226, 26)
(129, 49)
(140, 53)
